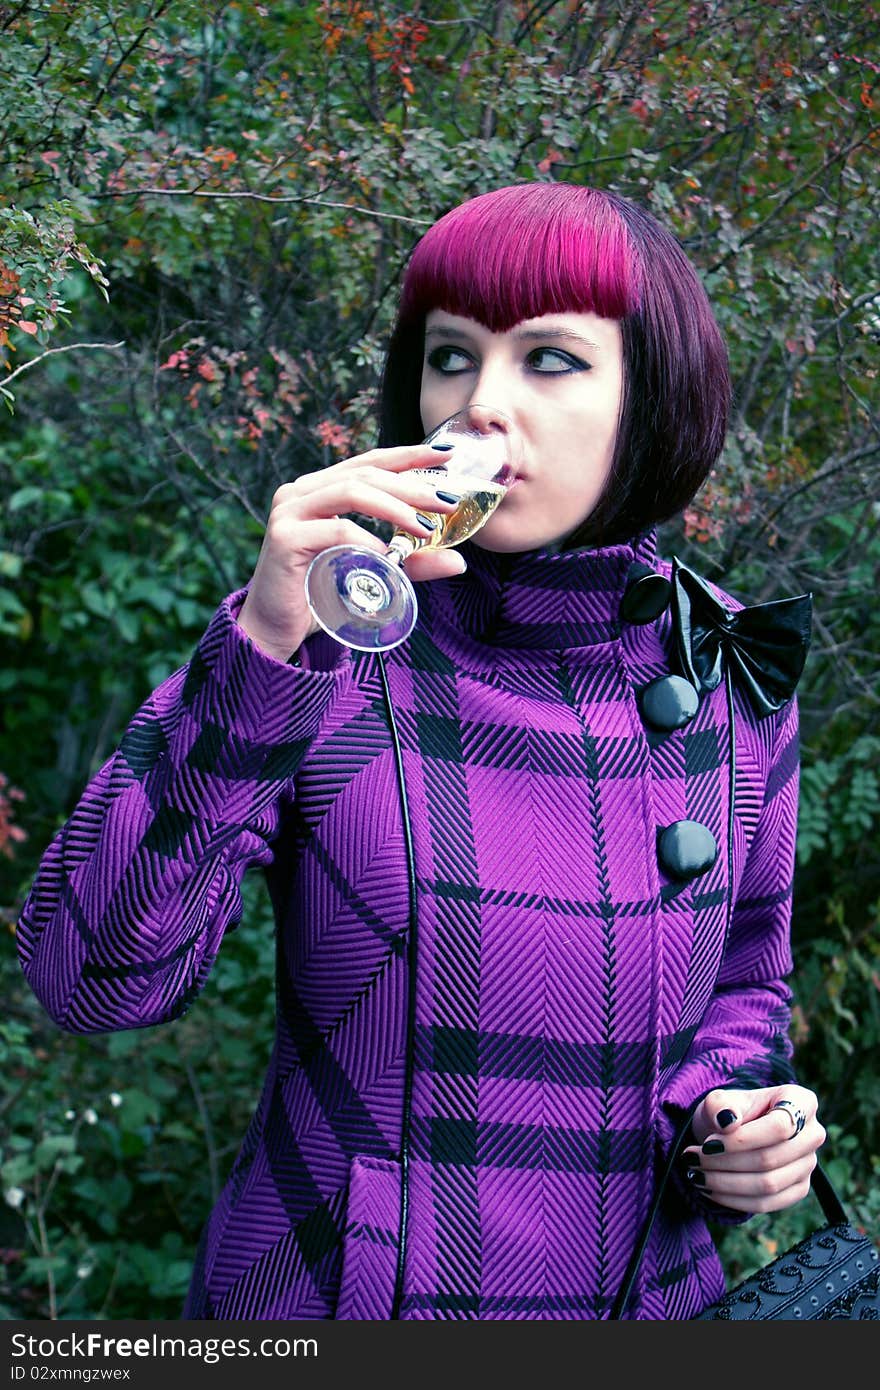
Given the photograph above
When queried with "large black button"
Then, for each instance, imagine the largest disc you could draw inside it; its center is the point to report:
(669, 703)
(647, 595)
(686, 849)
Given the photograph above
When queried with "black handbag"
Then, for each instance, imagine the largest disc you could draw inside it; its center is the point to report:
(833, 1273)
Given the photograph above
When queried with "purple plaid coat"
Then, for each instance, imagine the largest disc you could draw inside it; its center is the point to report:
(473, 1083)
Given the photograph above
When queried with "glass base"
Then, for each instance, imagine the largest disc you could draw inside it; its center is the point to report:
(361, 598)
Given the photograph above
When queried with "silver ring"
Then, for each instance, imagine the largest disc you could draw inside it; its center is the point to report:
(794, 1113)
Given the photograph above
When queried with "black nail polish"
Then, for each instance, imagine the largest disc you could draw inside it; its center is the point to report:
(449, 496)
(441, 447)
(691, 1160)
(713, 1146)
(426, 522)
(697, 1177)
(725, 1118)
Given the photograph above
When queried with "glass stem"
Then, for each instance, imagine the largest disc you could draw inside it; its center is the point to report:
(400, 547)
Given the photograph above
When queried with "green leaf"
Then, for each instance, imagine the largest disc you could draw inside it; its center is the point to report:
(47, 1150)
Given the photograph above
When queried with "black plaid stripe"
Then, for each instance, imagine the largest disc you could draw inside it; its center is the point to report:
(336, 760)
(169, 830)
(197, 676)
(142, 745)
(144, 970)
(785, 768)
(376, 1235)
(221, 753)
(552, 1307)
(550, 1061)
(543, 903)
(439, 737)
(312, 1243)
(534, 636)
(344, 1108)
(511, 747)
(424, 654)
(491, 1144)
(375, 923)
(701, 752)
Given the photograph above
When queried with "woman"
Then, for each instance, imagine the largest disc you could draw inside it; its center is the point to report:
(527, 944)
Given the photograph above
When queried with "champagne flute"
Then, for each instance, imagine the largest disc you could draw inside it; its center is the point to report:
(364, 599)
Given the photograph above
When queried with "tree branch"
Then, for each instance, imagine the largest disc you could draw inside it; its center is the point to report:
(246, 195)
(50, 352)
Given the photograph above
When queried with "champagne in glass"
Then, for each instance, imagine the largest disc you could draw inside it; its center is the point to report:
(478, 502)
(364, 599)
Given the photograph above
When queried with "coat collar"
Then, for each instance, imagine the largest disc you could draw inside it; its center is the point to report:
(540, 599)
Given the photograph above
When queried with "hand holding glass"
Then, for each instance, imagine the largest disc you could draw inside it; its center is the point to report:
(364, 599)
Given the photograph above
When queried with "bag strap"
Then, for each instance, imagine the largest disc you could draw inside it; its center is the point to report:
(820, 1183)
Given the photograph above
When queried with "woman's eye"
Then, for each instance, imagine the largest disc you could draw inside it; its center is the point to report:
(553, 360)
(449, 360)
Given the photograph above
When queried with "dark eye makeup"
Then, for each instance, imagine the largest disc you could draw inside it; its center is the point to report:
(569, 362)
(443, 359)
(450, 361)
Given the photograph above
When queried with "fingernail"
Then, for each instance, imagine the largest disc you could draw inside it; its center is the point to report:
(449, 496)
(441, 447)
(693, 1160)
(696, 1177)
(713, 1146)
(725, 1118)
(426, 521)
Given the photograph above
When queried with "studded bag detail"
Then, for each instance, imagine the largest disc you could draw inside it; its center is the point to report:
(832, 1273)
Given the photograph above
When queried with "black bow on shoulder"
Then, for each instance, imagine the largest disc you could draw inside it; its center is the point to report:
(765, 645)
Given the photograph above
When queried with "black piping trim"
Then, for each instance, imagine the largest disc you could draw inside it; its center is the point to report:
(412, 956)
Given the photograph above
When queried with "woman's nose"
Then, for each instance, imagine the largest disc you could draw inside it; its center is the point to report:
(488, 418)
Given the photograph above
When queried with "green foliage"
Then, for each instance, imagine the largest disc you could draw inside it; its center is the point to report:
(115, 1147)
(840, 801)
(204, 212)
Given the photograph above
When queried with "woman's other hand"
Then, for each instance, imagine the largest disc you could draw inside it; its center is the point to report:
(309, 515)
(752, 1153)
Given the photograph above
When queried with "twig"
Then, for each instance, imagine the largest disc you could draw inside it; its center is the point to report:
(111, 1287)
(45, 1251)
(206, 1126)
(50, 352)
(264, 198)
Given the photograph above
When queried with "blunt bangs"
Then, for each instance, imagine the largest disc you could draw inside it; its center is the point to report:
(523, 251)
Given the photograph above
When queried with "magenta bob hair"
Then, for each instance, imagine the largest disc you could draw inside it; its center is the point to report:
(540, 248)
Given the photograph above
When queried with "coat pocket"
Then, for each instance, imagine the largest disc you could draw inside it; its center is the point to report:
(370, 1241)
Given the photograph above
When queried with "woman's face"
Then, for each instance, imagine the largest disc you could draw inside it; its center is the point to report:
(559, 378)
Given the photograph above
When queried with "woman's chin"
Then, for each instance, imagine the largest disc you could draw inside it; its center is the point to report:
(504, 536)
(514, 547)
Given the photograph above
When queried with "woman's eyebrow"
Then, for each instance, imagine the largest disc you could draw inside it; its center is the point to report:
(444, 330)
(545, 333)
(447, 330)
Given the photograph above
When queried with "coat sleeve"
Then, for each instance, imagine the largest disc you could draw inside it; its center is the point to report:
(132, 897)
(742, 1039)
